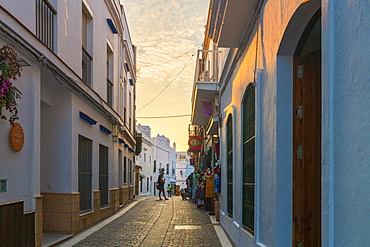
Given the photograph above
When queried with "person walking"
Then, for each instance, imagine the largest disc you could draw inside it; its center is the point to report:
(160, 187)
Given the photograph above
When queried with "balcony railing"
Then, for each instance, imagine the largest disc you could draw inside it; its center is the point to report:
(207, 66)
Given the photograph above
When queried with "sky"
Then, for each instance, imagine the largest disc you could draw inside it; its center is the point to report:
(167, 34)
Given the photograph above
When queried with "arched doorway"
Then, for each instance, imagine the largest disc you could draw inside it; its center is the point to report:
(307, 137)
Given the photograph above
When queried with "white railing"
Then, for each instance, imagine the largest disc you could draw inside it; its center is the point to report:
(207, 66)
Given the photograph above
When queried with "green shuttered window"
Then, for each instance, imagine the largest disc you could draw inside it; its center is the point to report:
(249, 157)
(229, 133)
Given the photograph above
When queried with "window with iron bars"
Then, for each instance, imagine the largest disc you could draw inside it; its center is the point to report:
(85, 173)
(249, 137)
(86, 55)
(103, 175)
(109, 78)
(45, 22)
(230, 170)
(86, 66)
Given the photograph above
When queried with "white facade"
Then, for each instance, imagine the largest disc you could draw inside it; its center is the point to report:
(183, 169)
(63, 102)
(259, 43)
(156, 154)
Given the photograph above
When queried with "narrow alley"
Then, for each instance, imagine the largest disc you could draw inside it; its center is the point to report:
(148, 221)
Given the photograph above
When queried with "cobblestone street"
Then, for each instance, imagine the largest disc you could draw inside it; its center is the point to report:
(153, 222)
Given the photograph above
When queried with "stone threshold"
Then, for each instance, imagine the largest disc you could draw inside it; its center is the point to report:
(52, 239)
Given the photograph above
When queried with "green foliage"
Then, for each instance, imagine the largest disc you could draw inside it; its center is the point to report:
(9, 94)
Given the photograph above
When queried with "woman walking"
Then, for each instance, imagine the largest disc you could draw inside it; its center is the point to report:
(161, 182)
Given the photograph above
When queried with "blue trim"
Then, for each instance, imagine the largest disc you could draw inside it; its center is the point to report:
(107, 131)
(131, 82)
(111, 25)
(87, 118)
(126, 145)
(120, 140)
(127, 68)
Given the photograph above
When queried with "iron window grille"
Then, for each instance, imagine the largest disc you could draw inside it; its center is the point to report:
(109, 93)
(130, 171)
(45, 22)
(229, 134)
(125, 170)
(249, 157)
(86, 66)
(103, 175)
(85, 173)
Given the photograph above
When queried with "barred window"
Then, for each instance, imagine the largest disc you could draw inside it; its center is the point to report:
(109, 76)
(86, 66)
(86, 45)
(248, 157)
(130, 171)
(109, 93)
(103, 175)
(125, 170)
(85, 173)
(230, 170)
(45, 22)
(120, 170)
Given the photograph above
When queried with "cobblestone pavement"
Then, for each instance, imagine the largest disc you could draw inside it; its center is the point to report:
(152, 222)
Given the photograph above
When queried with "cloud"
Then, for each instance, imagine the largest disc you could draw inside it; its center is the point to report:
(167, 33)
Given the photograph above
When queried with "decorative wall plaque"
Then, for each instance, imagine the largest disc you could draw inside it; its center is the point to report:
(17, 137)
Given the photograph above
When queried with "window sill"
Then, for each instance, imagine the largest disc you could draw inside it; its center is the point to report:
(86, 213)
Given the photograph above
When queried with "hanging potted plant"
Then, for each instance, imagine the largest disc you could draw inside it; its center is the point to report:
(9, 70)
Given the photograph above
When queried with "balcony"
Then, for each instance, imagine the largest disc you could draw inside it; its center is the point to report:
(205, 88)
(230, 19)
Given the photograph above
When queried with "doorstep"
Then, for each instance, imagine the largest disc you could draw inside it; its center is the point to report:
(52, 239)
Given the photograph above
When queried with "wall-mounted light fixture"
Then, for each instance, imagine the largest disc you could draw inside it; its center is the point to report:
(115, 133)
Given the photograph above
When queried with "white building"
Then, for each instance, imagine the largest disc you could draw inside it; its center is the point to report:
(183, 169)
(156, 154)
(77, 112)
(294, 119)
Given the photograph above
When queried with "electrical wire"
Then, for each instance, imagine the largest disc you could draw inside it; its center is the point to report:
(167, 84)
(199, 44)
(174, 116)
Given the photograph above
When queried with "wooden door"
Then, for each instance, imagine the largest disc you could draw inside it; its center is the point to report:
(307, 151)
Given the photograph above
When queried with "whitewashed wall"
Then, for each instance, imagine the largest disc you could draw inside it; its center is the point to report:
(22, 169)
(345, 123)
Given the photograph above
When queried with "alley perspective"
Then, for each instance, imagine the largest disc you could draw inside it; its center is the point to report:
(148, 221)
(257, 110)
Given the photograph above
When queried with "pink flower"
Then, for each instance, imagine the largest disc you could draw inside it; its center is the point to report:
(5, 84)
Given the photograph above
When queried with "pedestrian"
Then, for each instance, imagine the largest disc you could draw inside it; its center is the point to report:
(184, 193)
(169, 190)
(160, 186)
(200, 191)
